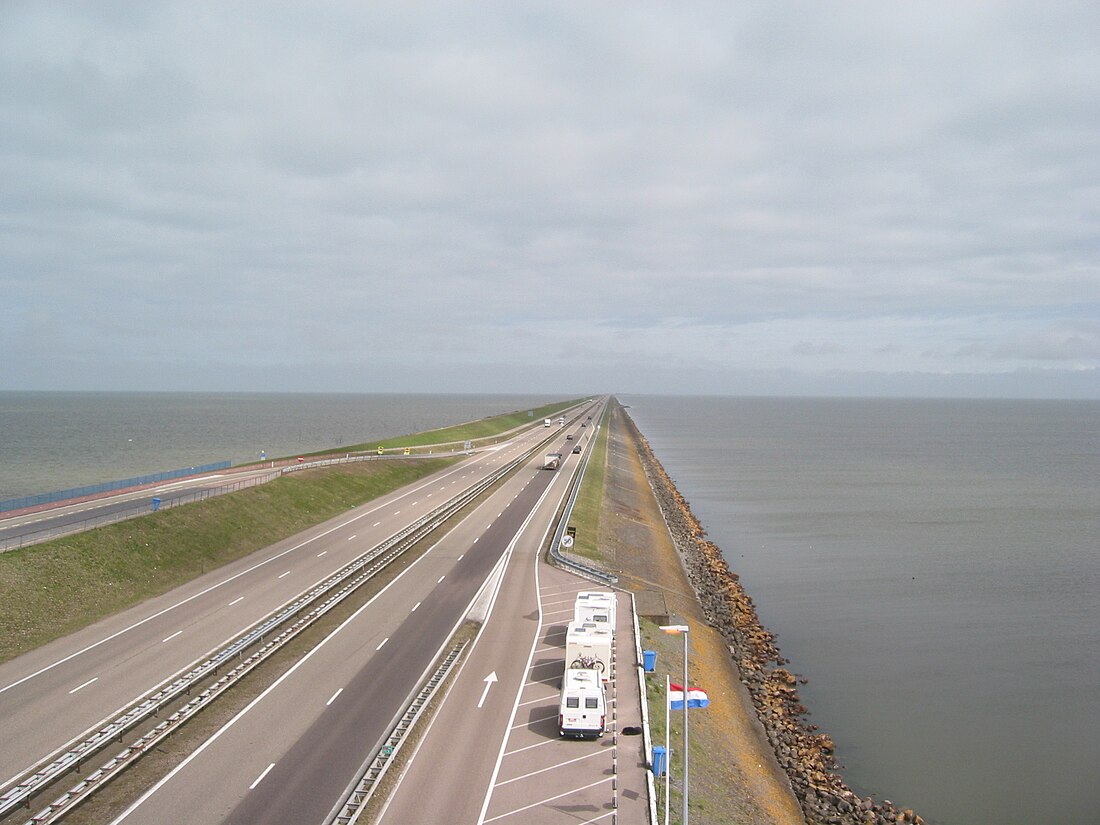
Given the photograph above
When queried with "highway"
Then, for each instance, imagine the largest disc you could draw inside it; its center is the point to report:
(514, 767)
(291, 753)
(53, 695)
(64, 518)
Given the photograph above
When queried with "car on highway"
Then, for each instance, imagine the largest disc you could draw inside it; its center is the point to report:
(577, 450)
(569, 437)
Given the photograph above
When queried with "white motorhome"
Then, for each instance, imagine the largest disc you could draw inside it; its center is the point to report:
(588, 647)
(582, 710)
(595, 606)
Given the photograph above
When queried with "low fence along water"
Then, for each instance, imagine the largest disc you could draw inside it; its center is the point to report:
(107, 486)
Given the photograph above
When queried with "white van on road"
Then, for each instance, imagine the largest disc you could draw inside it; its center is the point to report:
(582, 712)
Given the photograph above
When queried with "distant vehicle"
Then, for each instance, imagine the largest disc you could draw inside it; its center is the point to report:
(546, 422)
(584, 423)
(582, 709)
(577, 450)
(569, 437)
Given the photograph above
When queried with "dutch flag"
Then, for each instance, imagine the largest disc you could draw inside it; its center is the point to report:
(697, 697)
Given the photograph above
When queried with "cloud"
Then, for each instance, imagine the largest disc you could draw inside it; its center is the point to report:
(424, 189)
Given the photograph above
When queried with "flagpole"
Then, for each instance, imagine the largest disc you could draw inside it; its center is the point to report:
(668, 701)
(684, 818)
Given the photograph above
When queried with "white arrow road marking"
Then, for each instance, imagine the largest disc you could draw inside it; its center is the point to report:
(492, 677)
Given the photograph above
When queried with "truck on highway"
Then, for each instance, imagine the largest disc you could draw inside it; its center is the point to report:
(551, 461)
(546, 422)
(582, 709)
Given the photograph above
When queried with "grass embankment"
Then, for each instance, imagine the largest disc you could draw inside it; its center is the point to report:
(734, 774)
(586, 509)
(57, 587)
(482, 430)
(66, 584)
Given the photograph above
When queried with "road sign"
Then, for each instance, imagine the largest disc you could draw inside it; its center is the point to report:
(566, 542)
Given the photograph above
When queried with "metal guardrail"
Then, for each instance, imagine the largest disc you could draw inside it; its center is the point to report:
(555, 543)
(138, 509)
(141, 508)
(106, 486)
(43, 775)
(384, 756)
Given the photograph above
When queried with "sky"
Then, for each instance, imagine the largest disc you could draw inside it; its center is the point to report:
(709, 198)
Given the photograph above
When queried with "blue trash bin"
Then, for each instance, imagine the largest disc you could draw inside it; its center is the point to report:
(660, 761)
(156, 504)
(649, 660)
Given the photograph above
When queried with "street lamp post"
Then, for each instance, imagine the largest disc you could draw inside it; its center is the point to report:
(683, 630)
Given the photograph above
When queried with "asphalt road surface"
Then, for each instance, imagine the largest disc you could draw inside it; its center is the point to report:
(288, 756)
(70, 687)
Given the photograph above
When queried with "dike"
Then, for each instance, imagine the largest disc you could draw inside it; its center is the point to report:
(803, 752)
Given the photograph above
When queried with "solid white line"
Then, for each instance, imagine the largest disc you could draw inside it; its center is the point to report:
(530, 655)
(235, 601)
(201, 593)
(415, 606)
(536, 745)
(552, 767)
(287, 573)
(502, 563)
(170, 638)
(540, 701)
(81, 687)
(164, 780)
(321, 553)
(333, 699)
(548, 799)
(530, 721)
(260, 778)
(383, 643)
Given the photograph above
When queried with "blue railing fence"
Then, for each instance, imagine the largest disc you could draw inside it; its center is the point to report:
(107, 486)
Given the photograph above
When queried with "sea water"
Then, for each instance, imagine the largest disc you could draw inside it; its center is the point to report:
(56, 440)
(933, 568)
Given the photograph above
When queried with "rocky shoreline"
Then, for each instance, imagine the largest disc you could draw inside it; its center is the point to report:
(803, 752)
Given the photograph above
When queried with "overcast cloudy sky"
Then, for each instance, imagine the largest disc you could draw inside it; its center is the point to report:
(842, 198)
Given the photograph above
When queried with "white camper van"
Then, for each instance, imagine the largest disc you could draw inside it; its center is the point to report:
(583, 709)
(588, 647)
(597, 607)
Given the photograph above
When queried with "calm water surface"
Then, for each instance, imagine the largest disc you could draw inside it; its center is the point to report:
(55, 440)
(933, 567)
